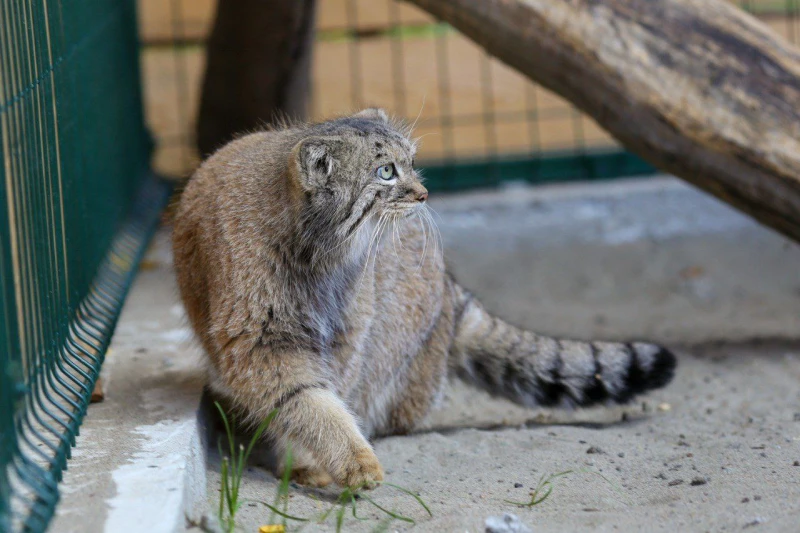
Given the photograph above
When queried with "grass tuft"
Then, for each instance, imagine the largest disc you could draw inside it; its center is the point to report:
(546, 485)
(232, 470)
(542, 491)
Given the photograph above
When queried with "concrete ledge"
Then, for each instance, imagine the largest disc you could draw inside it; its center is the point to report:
(139, 463)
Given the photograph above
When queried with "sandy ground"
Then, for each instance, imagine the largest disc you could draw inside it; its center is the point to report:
(718, 450)
(715, 451)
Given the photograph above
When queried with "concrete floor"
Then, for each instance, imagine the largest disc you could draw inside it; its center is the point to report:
(723, 457)
(652, 259)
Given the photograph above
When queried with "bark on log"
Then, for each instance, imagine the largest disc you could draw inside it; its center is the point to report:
(698, 88)
(258, 68)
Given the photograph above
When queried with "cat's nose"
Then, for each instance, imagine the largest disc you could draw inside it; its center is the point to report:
(422, 197)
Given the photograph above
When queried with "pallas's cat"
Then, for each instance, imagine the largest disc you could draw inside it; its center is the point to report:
(310, 273)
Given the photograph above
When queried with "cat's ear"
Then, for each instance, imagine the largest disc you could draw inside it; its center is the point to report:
(373, 113)
(315, 158)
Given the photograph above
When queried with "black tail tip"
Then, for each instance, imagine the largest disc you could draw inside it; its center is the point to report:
(652, 367)
(663, 369)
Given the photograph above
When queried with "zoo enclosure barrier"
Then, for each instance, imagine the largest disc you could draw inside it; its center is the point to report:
(77, 205)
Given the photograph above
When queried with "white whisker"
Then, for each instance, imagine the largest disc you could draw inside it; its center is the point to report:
(348, 239)
(432, 211)
(424, 239)
(377, 250)
(394, 238)
(411, 129)
(418, 139)
(438, 242)
(373, 240)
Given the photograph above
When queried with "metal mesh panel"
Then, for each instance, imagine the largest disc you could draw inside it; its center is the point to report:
(76, 207)
(481, 122)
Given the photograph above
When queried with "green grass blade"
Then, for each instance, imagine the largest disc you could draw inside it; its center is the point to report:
(388, 512)
(415, 496)
(226, 488)
(353, 505)
(535, 501)
(245, 456)
(259, 431)
(222, 492)
(277, 511)
(283, 486)
(236, 474)
(545, 484)
(228, 430)
(340, 517)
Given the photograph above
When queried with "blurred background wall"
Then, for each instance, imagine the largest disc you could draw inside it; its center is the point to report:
(387, 53)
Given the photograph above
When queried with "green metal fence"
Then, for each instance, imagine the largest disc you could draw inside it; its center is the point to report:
(77, 205)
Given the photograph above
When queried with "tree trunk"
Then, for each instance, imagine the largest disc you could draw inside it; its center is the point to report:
(698, 88)
(258, 68)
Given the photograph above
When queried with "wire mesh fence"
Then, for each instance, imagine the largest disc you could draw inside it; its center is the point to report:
(480, 121)
(77, 207)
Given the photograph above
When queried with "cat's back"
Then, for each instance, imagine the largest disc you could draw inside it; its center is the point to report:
(226, 204)
(258, 157)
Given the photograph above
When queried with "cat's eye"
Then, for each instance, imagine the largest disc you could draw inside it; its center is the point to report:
(386, 172)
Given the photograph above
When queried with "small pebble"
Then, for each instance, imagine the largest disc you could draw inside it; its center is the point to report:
(664, 407)
(517, 485)
(675, 482)
(621, 454)
(698, 481)
(745, 500)
(796, 463)
(594, 449)
(508, 523)
(755, 522)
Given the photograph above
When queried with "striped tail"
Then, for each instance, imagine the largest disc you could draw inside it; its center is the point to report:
(532, 369)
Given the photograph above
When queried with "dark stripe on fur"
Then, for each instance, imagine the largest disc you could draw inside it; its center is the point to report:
(597, 392)
(553, 389)
(362, 216)
(285, 397)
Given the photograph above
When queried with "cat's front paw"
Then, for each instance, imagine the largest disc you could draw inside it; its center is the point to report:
(311, 477)
(363, 471)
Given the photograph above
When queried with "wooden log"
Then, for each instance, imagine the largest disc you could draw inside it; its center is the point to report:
(698, 88)
(258, 68)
